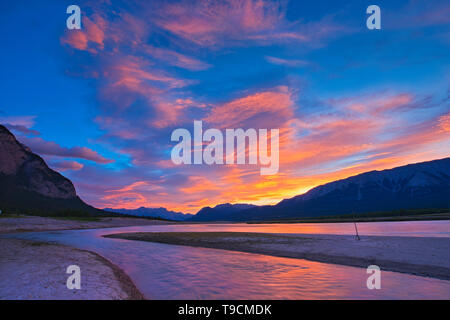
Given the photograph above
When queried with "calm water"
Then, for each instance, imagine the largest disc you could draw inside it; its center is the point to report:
(163, 271)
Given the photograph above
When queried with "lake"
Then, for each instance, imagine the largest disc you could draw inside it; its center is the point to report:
(163, 271)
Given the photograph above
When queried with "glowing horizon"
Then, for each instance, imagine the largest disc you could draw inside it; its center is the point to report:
(101, 102)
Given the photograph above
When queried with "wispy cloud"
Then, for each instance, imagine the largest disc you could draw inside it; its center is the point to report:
(22, 129)
(18, 121)
(159, 65)
(265, 109)
(50, 148)
(66, 165)
(287, 62)
(216, 23)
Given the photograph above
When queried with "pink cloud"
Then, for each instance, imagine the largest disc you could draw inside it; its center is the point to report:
(140, 99)
(211, 22)
(176, 59)
(90, 38)
(138, 75)
(133, 195)
(173, 111)
(132, 78)
(66, 165)
(42, 147)
(378, 103)
(24, 121)
(266, 109)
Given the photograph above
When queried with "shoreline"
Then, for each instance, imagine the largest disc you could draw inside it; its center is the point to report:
(33, 270)
(24, 262)
(427, 257)
(405, 218)
(24, 223)
(127, 284)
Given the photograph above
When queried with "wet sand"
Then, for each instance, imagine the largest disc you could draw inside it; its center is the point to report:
(421, 256)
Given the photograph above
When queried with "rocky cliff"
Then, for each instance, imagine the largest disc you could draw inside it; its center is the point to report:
(28, 185)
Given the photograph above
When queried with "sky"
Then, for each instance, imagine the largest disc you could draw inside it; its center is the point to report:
(99, 104)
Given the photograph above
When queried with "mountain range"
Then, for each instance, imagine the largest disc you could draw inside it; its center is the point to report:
(423, 185)
(152, 212)
(221, 212)
(28, 185)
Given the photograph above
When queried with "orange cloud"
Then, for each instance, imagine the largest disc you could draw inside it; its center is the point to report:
(335, 147)
(198, 184)
(267, 109)
(355, 134)
(444, 123)
(131, 187)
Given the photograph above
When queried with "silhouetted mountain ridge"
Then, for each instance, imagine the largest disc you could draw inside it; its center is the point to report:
(152, 212)
(415, 186)
(220, 212)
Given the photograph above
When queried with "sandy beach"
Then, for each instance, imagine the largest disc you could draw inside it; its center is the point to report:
(421, 256)
(35, 270)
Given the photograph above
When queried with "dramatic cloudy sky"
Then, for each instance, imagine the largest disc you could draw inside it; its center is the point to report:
(99, 104)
